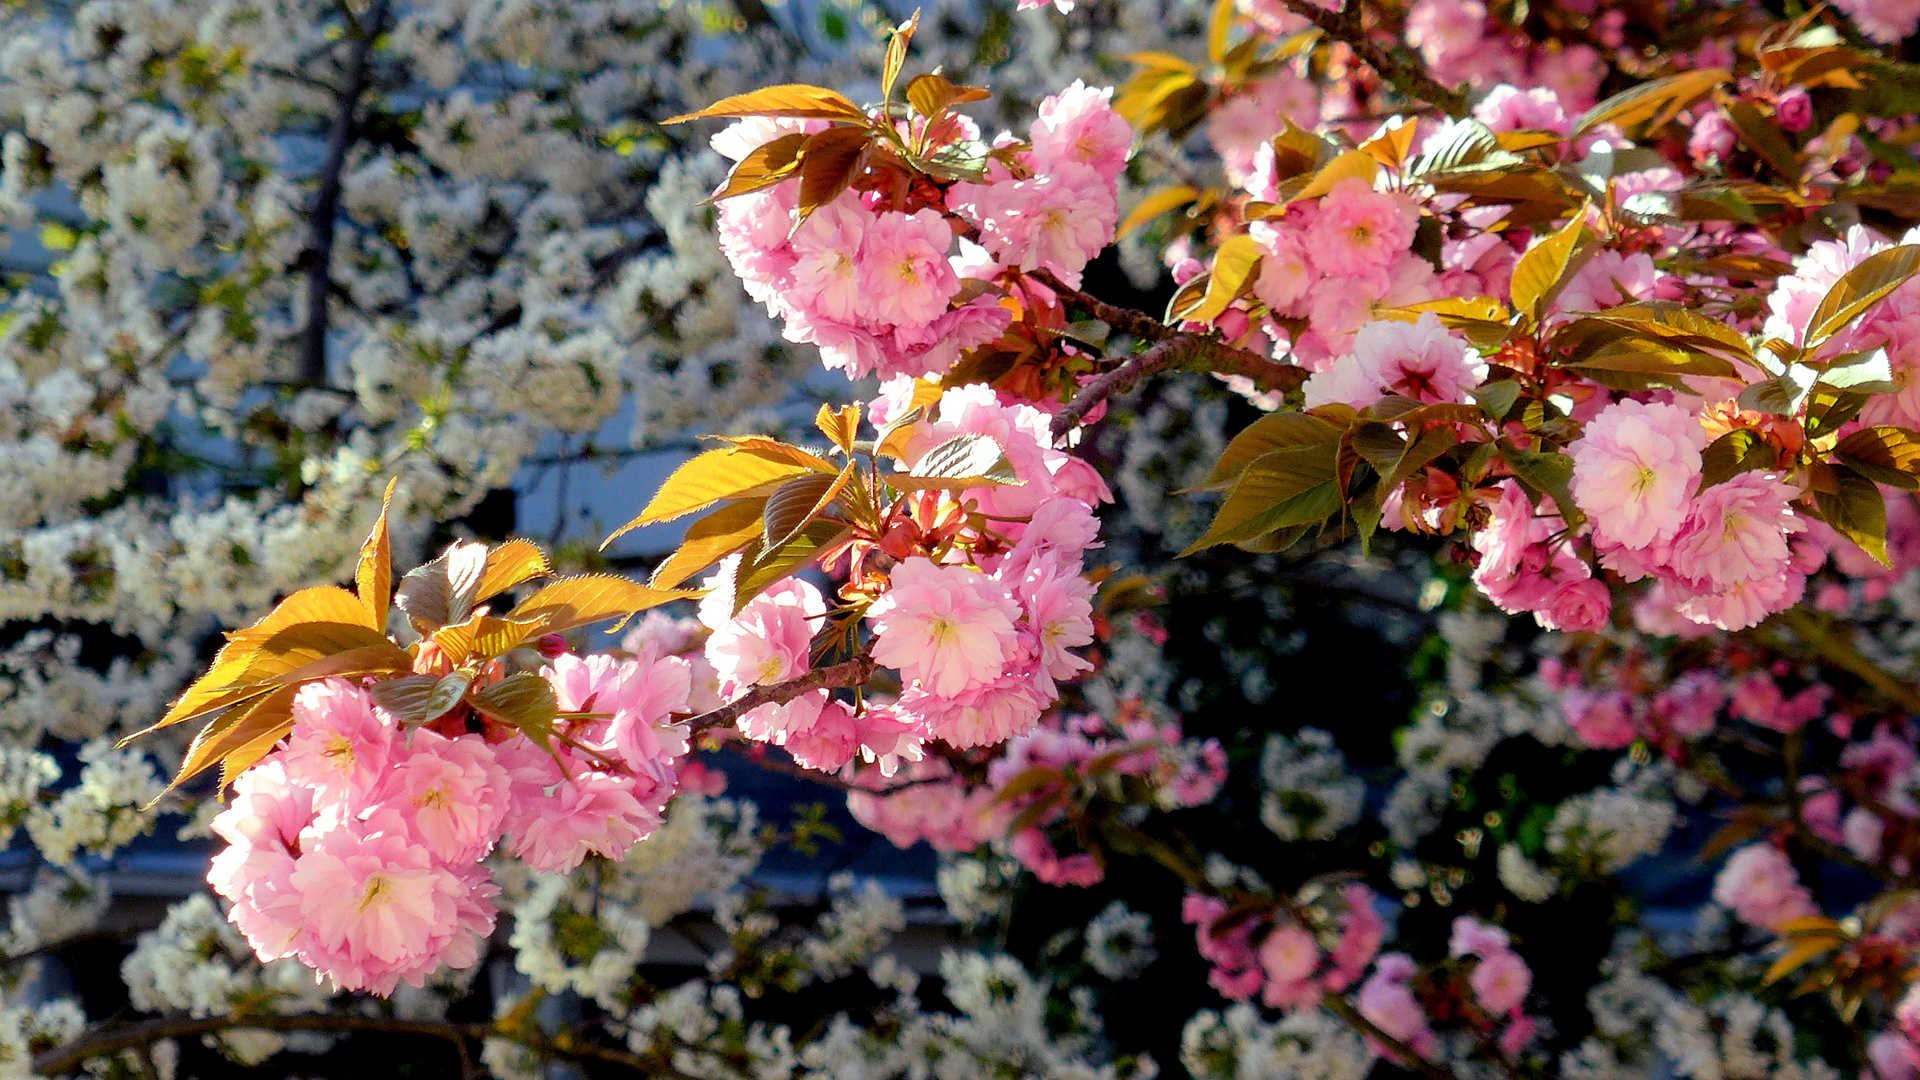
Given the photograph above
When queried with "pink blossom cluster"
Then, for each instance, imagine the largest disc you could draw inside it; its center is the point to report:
(1462, 41)
(1326, 263)
(1291, 966)
(1893, 324)
(928, 802)
(980, 611)
(874, 277)
(1761, 887)
(357, 846)
(1500, 979)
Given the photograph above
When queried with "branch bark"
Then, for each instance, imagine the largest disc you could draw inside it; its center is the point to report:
(111, 1040)
(326, 203)
(1396, 65)
(1170, 349)
(854, 672)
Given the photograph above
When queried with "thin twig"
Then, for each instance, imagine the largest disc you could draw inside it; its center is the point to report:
(326, 204)
(1396, 65)
(111, 1040)
(1171, 348)
(854, 672)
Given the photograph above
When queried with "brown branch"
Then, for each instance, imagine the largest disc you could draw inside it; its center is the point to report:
(326, 204)
(1398, 66)
(1171, 348)
(854, 672)
(111, 1040)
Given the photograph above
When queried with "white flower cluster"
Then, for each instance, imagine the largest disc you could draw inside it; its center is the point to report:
(1307, 792)
(106, 809)
(1304, 1045)
(1119, 942)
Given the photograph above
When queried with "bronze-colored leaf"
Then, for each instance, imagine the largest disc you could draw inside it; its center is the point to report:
(1274, 431)
(1860, 288)
(486, 637)
(791, 100)
(1856, 511)
(1652, 105)
(1155, 204)
(932, 94)
(962, 462)
(828, 164)
(712, 538)
(799, 501)
(715, 476)
(767, 164)
(373, 576)
(578, 601)
(444, 590)
(1542, 268)
(897, 53)
(515, 562)
(841, 427)
(1884, 454)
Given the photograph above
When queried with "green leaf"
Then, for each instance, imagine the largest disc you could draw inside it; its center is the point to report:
(761, 566)
(1545, 475)
(1781, 395)
(1856, 512)
(1735, 452)
(1497, 398)
(1859, 289)
(1274, 431)
(1542, 268)
(962, 462)
(1883, 454)
(1295, 486)
(1651, 105)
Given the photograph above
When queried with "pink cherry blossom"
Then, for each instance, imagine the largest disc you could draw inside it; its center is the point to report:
(1762, 888)
(1634, 470)
(903, 275)
(1421, 360)
(340, 742)
(947, 628)
(1079, 125)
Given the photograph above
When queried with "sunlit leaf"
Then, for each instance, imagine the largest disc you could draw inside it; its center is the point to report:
(1544, 267)
(1651, 105)
(373, 575)
(791, 100)
(591, 598)
(712, 538)
(962, 462)
(1234, 266)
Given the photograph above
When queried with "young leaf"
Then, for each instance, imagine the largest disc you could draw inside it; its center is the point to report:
(1155, 204)
(799, 501)
(1859, 289)
(1351, 165)
(1548, 474)
(828, 164)
(897, 54)
(268, 671)
(932, 94)
(512, 563)
(760, 567)
(444, 590)
(269, 717)
(1764, 138)
(373, 577)
(1652, 105)
(1885, 455)
(792, 100)
(1857, 512)
(405, 697)
(524, 701)
(1781, 395)
(717, 475)
(486, 637)
(447, 691)
(842, 427)
(768, 164)
(591, 598)
(1234, 267)
(962, 462)
(1274, 431)
(711, 539)
(1735, 452)
(1541, 269)
(1219, 27)
(1278, 489)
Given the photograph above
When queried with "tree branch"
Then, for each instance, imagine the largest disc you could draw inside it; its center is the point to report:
(1171, 348)
(111, 1040)
(1396, 65)
(326, 204)
(854, 672)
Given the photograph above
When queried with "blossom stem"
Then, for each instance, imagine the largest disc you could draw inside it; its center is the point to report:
(1171, 348)
(1396, 65)
(106, 1041)
(848, 673)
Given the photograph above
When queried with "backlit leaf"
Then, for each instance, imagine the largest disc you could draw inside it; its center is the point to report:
(1651, 105)
(1233, 268)
(1883, 454)
(373, 575)
(842, 427)
(829, 163)
(486, 636)
(897, 53)
(766, 165)
(799, 501)
(733, 473)
(515, 562)
(711, 539)
(1543, 267)
(792, 100)
(1278, 489)
(578, 601)
(1856, 512)
(933, 94)
(1735, 452)
(1859, 289)
(1155, 204)
(962, 462)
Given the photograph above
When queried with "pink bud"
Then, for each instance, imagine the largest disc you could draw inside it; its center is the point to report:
(1232, 323)
(552, 646)
(1794, 110)
(1186, 270)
